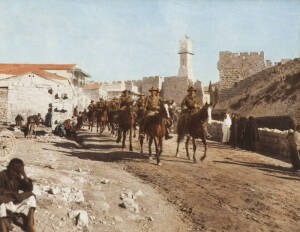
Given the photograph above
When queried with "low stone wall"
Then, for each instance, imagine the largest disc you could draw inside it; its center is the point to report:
(272, 141)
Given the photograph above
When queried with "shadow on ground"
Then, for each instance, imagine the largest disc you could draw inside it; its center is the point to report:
(273, 169)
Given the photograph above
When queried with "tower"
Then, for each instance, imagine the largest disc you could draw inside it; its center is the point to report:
(185, 53)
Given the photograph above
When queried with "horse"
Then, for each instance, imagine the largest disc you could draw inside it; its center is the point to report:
(102, 118)
(113, 121)
(126, 122)
(91, 116)
(193, 126)
(32, 123)
(155, 128)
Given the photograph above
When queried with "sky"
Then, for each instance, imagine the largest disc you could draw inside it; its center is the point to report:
(131, 39)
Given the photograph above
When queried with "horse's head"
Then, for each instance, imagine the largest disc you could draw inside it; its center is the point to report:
(164, 110)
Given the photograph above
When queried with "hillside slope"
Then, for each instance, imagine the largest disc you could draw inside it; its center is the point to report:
(271, 92)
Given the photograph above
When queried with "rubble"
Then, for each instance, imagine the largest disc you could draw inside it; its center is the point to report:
(7, 143)
(105, 181)
(81, 216)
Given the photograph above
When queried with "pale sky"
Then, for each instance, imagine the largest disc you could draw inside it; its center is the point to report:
(130, 39)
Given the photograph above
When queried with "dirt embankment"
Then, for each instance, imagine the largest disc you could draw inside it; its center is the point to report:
(271, 92)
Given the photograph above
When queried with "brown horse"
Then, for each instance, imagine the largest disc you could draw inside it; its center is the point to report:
(155, 128)
(32, 122)
(92, 117)
(126, 121)
(193, 126)
(113, 116)
(102, 119)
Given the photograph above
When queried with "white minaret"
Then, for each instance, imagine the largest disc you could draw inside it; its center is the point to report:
(185, 52)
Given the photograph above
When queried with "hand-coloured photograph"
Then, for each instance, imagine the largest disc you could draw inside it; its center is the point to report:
(150, 116)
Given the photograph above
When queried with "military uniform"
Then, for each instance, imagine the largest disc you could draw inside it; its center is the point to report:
(91, 106)
(190, 104)
(141, 102)
(114, 105)
(125, 100)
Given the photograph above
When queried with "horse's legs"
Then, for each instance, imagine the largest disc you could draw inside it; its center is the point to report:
(141, 139)
(119, 135)
(187, 147)
(160, 144)
(150, 144)
(156, 145)
(124, 138)
(205, 147)
(130, 139)
(178, 142)
(194, 149)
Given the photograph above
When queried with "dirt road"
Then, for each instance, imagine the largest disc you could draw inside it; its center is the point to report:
(232, 190)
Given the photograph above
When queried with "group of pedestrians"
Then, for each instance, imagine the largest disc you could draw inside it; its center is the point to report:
(240, 132)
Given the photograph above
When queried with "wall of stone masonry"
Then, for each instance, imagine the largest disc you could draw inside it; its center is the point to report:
(272, 141)
(28, 94)
(149, 82)
(175, 88)
(234, 67)
(3, 104)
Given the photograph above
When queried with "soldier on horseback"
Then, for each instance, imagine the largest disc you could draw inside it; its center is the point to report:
(91, 106)
(190, 103)
(125, 99)
(152, 106)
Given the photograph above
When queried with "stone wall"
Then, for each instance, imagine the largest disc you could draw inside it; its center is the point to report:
(234, 67)
(28, 94)
(272, 141)
(3, 104)
(175, 88)
(149, 82)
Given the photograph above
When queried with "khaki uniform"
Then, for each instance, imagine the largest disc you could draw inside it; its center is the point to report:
(91, 107)
(152, 105)
(141, 103)
(125, 101)
(190, 104)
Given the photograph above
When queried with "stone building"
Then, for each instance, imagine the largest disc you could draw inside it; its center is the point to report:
(175, 87)
(152, 81)
(234, 67)
(28, 89)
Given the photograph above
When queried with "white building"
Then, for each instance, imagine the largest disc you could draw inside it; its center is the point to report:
(28, 89)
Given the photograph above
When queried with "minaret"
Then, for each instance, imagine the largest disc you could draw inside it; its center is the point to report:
(185, 53)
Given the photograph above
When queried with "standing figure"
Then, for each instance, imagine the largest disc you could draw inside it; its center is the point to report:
(226, 128)
(234, 131)
(252, 134)
(293, 138)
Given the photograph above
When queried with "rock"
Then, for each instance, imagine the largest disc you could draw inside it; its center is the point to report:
(139, 194)
(54, 190)
(129, 203)
(150, 219)
(128, 194)
(37, 190)
(104, 206)
(78, 170)
(118, 219)
(82, 219)
(105, 181)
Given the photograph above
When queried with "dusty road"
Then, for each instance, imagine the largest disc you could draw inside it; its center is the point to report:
(232, 190)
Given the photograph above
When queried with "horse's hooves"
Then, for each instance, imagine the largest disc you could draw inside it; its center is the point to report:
(189, 158)
(203, 158)
(159, 164)
(194, 160)
(150, 158)
(130, 149)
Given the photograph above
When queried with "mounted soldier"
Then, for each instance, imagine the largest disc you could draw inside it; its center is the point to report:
(125, 99)
(91, 106)
(140, 104)
(190, 103)
(152, 106)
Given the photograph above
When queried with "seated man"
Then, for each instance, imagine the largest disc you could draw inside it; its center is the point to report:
(12, 180)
